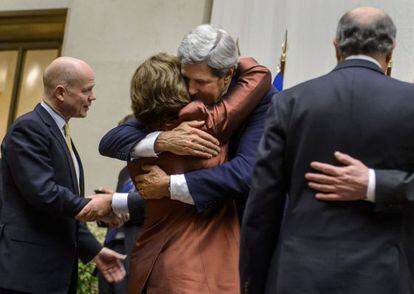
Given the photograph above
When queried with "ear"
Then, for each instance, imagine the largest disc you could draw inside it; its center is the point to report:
(60, 92)
(388, 57)
(338, 53)
(229, 75)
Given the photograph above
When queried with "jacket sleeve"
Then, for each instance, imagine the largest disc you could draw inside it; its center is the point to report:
(136, 207)
(27, 152)
(393, 188)
(251, 83)
(210, 187)
(89, 247)
(121, 140)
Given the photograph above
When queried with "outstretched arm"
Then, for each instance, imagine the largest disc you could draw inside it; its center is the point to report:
(121, 140)
(185, 139)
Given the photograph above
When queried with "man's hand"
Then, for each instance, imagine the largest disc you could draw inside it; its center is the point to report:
(154, 184)
(110, 265)
(98, 207)
(114, 220)
(345, 183)
(188, 139)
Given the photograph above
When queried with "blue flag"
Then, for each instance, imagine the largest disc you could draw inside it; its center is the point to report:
(278, 81)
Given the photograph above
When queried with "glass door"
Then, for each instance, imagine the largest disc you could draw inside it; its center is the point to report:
(31, 82)
(29, 41)
(8, 64)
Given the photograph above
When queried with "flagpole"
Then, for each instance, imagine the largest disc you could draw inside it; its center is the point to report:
(389, 68)
(238, 47)
(283, 56)
(278, 79)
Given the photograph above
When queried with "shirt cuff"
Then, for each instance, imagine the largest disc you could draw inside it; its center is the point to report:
(145, 147)
(120, 203)
(371, 186)
(179, 189)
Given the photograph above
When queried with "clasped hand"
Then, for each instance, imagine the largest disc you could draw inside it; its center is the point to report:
(99, 208)
(339, 183)
(154, 184)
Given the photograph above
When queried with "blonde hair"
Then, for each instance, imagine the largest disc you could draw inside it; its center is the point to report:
(158, 91)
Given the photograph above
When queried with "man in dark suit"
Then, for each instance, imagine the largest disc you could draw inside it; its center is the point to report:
(207, 55)
(304, 245)
(40, 241)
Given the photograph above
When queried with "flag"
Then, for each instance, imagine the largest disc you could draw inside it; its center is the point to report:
(278, 80)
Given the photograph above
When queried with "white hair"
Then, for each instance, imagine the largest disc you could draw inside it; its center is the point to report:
(212, 45)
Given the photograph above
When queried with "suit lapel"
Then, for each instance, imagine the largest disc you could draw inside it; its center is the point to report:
(57, 134)
(81, 175)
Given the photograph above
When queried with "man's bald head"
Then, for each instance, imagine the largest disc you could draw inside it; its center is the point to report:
(365, 30)
(68, 87)
(65, 71)
(366, 16)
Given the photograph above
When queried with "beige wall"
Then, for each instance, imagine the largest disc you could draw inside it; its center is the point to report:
(261, 25)
(114, 36)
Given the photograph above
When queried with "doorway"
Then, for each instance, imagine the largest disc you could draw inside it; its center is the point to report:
(29, 41)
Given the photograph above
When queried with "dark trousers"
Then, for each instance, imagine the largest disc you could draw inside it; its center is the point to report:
(7, 291)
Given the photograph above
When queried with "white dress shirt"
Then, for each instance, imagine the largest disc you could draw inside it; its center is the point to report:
(60, 122)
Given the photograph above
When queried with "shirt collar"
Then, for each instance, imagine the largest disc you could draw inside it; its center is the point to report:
(60, 122)
(364, 57)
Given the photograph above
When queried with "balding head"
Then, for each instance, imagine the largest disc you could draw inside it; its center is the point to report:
(365, 30)
(65, 71)
(68, 87)
(366, 16)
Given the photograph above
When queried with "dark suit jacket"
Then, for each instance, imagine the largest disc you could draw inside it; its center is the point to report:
(1, 187)
(136, 208)
(39, 240)
(136, 204)
(208, 187)
(330, 247)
